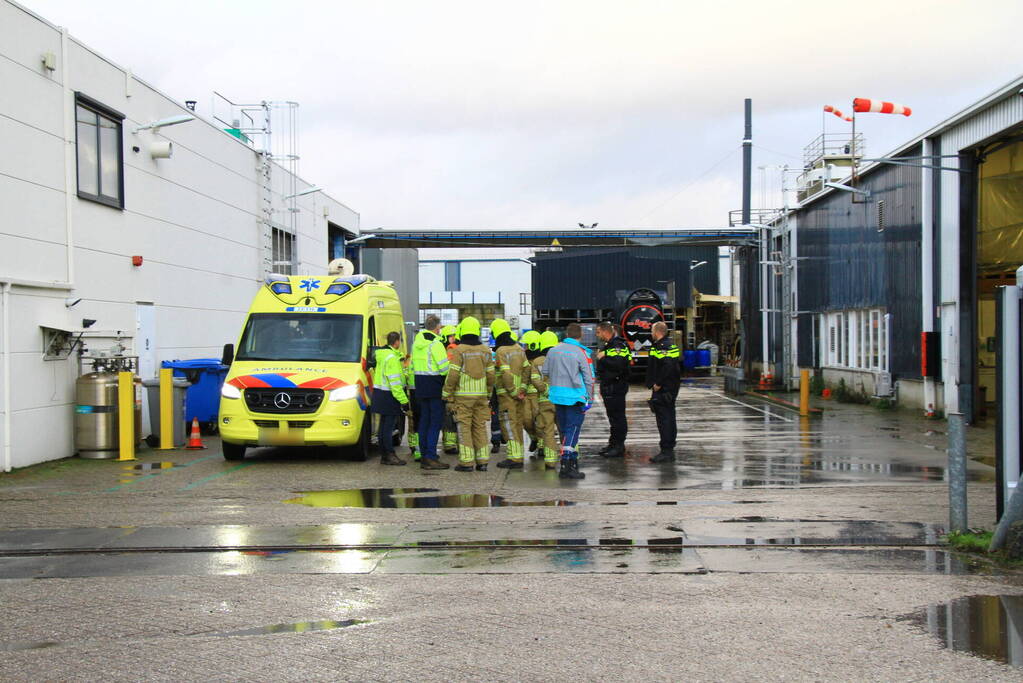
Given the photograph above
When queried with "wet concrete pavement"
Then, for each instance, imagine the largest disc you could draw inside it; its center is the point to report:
(855, 498)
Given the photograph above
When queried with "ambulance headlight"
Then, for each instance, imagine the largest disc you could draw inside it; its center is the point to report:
(230, 391)
(344, 393)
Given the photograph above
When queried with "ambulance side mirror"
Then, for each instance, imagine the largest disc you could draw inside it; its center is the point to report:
(228, 356)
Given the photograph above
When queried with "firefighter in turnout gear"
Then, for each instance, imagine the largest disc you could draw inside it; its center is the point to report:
(613, 376)
(467, 389)
(510, 360)
(548, 443)
(389, 399)
(531, 345)
(663, 376)
(449, 335)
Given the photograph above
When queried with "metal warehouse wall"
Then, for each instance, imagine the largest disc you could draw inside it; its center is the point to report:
(589, 278)
(848, 263)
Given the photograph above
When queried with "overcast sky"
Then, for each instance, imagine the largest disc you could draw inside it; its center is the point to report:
(544, 114)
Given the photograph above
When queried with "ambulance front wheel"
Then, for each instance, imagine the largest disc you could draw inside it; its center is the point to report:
(360, 451)
(233, 451)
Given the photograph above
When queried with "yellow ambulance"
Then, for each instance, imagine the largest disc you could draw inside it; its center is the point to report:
(300, 374)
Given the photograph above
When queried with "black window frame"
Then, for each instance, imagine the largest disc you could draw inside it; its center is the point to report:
(100, 109)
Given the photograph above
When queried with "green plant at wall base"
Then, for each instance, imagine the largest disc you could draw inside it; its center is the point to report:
(882, 403)
(844, 394)
(816, 385)
(975, 541)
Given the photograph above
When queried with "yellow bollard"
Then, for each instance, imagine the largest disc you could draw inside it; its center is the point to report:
(804, 392)
(166, 409)
(126, 415)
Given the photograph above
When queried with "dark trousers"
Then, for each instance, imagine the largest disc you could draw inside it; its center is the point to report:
(430, 419)
(385, 432)
(570, 423)
(662, 403)
(495, 422)
(614, 404)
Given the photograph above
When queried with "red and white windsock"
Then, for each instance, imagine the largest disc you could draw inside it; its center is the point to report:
(862, 104)
(829, 108)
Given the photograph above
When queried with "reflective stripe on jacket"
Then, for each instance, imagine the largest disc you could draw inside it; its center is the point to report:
(471, 372)
(389, 375)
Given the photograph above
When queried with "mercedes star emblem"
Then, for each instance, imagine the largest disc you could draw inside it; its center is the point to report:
(282, 400)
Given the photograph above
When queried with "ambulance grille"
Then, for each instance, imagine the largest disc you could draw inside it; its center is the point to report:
(283, 401)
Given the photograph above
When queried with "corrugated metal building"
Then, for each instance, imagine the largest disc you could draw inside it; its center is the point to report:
(596, 278)
(922, 252)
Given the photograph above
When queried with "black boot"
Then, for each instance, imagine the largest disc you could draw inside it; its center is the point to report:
(391, 459)
(532, 445)
(615, 451)
(509, 464)
(605, 449)
(570, 469)
(433, 464)
(451, 450)
(482, 467)
(464, 468)
(666, 455)
(495, 448)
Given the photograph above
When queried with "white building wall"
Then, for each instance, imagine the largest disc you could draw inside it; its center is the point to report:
(193, 218)
(486, 271)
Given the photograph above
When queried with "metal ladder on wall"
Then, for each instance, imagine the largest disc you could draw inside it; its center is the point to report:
(271, 128)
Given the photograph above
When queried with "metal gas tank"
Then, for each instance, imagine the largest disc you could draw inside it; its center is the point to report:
(96, 420)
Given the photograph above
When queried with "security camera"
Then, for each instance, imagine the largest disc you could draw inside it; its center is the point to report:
(69, 303)
(88, 322)
(1020, 93)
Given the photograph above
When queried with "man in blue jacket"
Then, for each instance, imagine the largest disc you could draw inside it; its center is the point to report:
(569, 373)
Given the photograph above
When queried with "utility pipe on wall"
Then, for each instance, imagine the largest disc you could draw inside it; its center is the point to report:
(5, 369)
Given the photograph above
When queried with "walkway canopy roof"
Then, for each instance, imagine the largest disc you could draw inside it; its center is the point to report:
(544, 237)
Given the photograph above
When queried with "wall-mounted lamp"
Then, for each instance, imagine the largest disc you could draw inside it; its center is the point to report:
(161, 149)
(693, 265)
(169, 121)
(587, 227)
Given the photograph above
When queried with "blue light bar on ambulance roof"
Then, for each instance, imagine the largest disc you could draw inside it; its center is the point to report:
(278, 284)
(343, 285)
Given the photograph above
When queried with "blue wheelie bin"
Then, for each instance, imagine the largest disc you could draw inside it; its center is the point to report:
(202, 401)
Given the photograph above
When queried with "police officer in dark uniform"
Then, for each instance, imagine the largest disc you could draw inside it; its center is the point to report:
(663, 376)
(613, 363)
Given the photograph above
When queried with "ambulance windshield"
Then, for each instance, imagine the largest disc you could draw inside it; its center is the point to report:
(330, 338)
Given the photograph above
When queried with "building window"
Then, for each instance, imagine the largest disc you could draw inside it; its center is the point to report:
(283, 256)
(452, 276)
(100, 152)
(525, 303)
(856, 339)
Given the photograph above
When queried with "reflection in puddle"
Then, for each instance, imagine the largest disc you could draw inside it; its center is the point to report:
(413, 499)
(299, 627)
(143, 469)
(989, 626)
(406, 498)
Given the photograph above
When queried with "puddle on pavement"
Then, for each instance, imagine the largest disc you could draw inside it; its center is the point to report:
(298, 627)
(989, 626)
(143, 469)
(414, 499)
(408, 498)
(16, 645)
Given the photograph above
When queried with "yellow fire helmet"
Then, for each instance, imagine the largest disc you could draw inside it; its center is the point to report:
(514, 336)
(531, 340)
(447, 331)
(498, 327)
(469, 325)
(548, 340)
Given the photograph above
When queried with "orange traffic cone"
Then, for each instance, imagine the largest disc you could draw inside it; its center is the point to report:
(194, 442)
